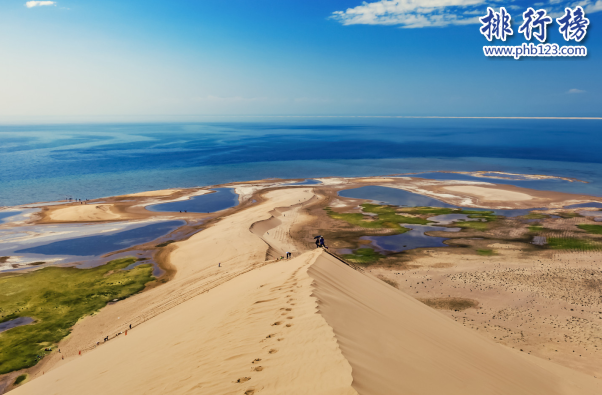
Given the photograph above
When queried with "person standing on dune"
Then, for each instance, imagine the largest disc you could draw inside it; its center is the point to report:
(317, 239)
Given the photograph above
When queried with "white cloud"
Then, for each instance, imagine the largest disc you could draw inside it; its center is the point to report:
(575, 91)
(437, 13)
(408, 13)
(31, 4)
(595, 7)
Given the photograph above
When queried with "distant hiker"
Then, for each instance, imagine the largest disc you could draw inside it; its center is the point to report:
(219, 264)
(317, 239)
(130, 326)
(288, 255)
(322, 243)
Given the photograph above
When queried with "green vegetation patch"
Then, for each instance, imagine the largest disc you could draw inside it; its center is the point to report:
(536, 228)
(430, 210)
(386, 217)
(474, 225)
(571, 243)
(20, 379)
(486, 252)
(56, 298)
(593, 229)
(535, 216)
(389, 214)
(363, 256)
(569, 215)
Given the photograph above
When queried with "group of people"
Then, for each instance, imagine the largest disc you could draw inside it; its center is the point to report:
(78, 200)
(320, 242)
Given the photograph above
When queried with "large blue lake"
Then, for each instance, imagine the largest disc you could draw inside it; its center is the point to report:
(50, 162)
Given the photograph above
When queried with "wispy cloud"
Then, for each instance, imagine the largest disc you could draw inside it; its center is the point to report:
(438, 13)
(31, 4)
(571, 91)
(594, 7)
(407, 13)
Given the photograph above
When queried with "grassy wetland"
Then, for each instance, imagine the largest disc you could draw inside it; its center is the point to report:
(56, 298)
(390, 219)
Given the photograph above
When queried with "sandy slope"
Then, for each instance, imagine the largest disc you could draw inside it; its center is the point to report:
(260, 328)
(229, 241)
(397, 345)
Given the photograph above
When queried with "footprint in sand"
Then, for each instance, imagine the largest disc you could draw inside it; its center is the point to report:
(258, 369)
(289, 318)
(289, 309)
(277, 323)
(243, 379)
(273, 351)
(250, 391)
(289, 325)
(281, 339)
(270, 335)
(256, 360)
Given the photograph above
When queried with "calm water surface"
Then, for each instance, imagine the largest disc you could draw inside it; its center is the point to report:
(101, 244)
(221, 199)
(52, 162)
(6, 325)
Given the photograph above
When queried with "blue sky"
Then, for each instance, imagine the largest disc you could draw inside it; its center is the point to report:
(152, 60)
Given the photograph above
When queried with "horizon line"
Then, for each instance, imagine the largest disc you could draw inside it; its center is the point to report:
(142, 120)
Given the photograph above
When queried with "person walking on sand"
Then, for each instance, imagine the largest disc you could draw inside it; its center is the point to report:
(288, 255)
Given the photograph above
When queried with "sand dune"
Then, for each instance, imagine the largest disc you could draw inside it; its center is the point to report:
(261, 329)
(397, 345)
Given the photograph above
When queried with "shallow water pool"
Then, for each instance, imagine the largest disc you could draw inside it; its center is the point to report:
(221, 199)
(4, 326)
(415, 238)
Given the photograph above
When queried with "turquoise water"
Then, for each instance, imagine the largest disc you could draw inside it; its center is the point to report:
(52, 162)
